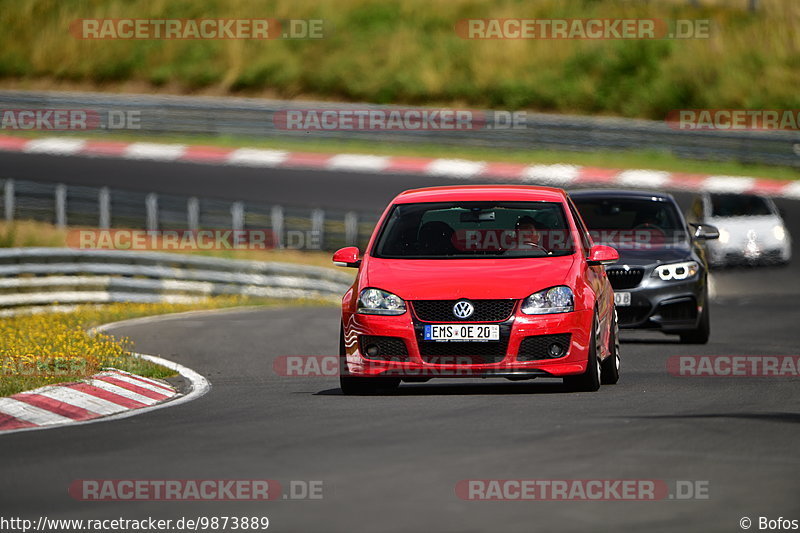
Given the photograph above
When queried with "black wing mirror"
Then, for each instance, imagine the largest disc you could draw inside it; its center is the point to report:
(705, 232)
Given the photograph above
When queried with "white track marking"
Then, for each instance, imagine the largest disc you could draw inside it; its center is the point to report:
(161, 389)
(358, 163)
(125, 393)
(54, 146)
(251, 157)
(551, 174)
(81, 399)
(643, 178)
(158, 152)
(30, 413)
(455, 168)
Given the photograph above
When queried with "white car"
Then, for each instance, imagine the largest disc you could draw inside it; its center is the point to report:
(751, 230)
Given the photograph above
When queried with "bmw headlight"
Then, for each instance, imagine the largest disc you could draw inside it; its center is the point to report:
(677, 271)
(724, 236)
(378, 302)
(554, 300)
(779, 232)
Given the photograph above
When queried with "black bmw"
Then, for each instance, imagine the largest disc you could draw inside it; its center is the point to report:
(660, 280)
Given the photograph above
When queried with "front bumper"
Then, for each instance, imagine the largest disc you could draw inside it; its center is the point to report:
(749, 253)
(668, 306)
(418, 361)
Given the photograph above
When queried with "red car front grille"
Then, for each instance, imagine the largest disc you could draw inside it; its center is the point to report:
(442, 310)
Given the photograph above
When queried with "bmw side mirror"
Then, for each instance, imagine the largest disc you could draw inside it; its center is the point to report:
(347, 257)
(705, 232)
(600, 254)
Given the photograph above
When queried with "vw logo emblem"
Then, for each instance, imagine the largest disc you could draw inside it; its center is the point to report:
(463, 309)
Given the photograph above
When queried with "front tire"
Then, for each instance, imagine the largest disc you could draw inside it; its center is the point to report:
(609, 368)
(703, 331)
(589, 381)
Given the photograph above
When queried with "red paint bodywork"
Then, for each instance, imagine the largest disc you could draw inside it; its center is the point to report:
(508, 278)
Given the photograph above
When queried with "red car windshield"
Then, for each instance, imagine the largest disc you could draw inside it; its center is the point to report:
(475, 230)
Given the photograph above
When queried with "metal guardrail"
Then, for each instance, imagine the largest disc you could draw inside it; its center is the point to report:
(104, 208)
(45, 276)
(255, 117)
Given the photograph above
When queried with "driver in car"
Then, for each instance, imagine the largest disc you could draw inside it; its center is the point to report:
(528, 236)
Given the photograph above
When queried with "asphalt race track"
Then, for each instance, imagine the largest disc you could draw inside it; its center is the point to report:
(392, 462)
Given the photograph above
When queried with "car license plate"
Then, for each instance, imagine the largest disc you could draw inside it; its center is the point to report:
(461, 332)
(622, 299)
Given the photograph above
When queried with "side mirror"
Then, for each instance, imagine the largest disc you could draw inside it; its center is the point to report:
(600, 254)
(347, 257)
(705, 232)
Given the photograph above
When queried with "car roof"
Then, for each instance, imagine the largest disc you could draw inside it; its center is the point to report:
(462, 193)
(620, 193)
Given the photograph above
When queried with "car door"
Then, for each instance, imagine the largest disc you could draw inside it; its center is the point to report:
(596, 277)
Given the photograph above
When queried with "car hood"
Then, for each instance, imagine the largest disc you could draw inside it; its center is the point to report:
(740, 226)
(654, 256)
(449, 279)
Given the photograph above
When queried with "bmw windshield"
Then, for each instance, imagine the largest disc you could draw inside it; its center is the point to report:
(632, 223)
(444, 230)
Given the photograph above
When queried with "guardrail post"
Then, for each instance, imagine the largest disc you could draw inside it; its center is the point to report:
(193, 213)
(317, 237)
(276, 214)
(61, 205)
(237, 216)
(8, 200)
(104, 203)
(351, 228)
(151, 208)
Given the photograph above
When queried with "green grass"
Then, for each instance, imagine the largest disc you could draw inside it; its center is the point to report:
(406, 51)
(639, 159)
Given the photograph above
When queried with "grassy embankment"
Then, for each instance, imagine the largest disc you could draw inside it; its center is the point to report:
(406, 51)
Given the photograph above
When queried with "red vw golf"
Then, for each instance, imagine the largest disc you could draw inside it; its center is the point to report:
(479, 281)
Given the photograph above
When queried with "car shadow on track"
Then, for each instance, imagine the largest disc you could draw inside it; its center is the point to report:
(791, 418)
(649, 340)
(462, 389)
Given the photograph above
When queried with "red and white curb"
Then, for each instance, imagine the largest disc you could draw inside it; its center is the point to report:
(109, 395)
(554, 175)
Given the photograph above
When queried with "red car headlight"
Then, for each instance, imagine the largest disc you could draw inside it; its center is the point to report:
(378, 302)
(553, 300)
